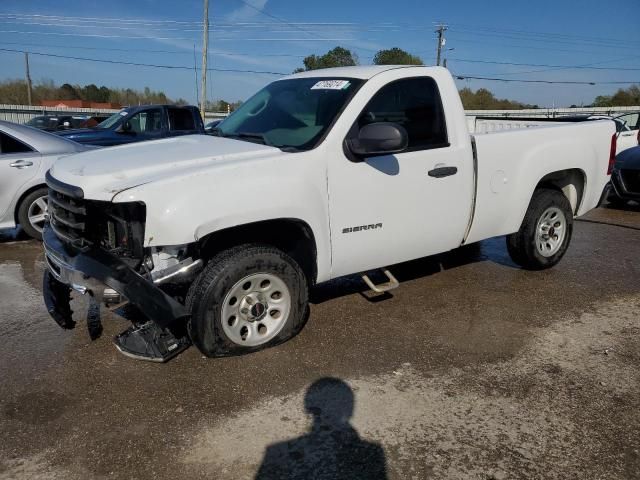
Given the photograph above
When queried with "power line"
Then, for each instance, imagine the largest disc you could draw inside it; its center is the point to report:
(472, 28)
(184, 67)
(465, 60)
(263, 12)
(120, 62)
(138, 37)
(563, 82)
(143, 50)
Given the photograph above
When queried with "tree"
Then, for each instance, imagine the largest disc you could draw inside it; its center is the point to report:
(622, 98)
(396, 56)
(68, 92)
(91, 93)
(15, 92)
(483, 99)
(338, 57)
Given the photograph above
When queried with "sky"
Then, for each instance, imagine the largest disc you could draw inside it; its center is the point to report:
(251, 41)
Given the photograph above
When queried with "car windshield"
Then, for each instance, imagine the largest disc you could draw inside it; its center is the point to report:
(112, 120)
(290, 114)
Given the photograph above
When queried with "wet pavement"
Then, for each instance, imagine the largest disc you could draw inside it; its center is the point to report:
(473, 368)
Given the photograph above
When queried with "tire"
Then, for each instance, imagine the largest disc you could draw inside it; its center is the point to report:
(545, 233)
(32, 207)
(222, 309)
(614, 200)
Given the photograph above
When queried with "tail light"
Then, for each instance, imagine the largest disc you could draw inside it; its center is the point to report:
(612, 153)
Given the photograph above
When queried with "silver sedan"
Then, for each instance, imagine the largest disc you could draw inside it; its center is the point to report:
(26, 154)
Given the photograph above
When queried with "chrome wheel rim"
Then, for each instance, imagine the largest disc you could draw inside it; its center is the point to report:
(551, 231)
(37, 213)
(255, 309)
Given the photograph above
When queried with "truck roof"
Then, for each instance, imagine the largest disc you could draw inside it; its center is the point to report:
(364, 72)
(134, 108)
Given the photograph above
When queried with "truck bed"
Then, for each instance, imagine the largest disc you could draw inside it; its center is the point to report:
(508, 161)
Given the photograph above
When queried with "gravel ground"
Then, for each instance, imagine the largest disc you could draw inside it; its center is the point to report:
(472, 369)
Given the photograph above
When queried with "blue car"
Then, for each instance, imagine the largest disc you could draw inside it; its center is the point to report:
(136, 124)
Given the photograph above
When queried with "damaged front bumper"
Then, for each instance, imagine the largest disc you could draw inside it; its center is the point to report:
(103, 276)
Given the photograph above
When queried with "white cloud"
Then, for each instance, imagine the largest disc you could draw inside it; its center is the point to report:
(246, 12)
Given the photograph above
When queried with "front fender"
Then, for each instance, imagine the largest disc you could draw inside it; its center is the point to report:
(185, 209)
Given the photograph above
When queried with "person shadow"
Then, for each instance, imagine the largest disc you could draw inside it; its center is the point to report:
(332, 449)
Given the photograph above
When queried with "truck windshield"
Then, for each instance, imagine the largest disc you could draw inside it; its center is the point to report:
(112, 120)
(290, 114)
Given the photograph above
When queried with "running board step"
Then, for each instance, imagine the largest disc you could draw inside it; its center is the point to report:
(383, 287)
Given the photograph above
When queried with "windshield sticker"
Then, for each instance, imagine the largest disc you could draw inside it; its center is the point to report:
(124, 114)
(331, 85)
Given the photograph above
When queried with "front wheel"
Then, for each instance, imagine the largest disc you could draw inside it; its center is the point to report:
(545, 233)
(33, 211)
(246, 299)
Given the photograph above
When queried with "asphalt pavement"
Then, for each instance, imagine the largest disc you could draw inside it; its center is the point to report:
(472, 369)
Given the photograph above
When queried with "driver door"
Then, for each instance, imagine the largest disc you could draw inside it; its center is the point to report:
(393, 208)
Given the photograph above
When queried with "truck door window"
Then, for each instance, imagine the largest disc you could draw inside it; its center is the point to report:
(181, 119)
(147, 121)
(11, 145)
(413, 103)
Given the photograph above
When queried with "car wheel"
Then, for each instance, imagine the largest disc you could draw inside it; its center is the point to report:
(33, 211)
(614, 200)
(545, 233)
(246, 299)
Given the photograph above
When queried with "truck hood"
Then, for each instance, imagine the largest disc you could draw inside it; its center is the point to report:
(86, 135)
(104, 173)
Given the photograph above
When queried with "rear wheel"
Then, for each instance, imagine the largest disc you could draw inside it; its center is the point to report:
(545, 233)
(33, 211)
(246, 299)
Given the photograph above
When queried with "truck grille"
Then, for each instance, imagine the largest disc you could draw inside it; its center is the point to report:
(67, 217)
(631, 180)
(117, 228)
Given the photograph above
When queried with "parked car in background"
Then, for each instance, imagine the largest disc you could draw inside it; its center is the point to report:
(625, 178)
(53, 123)
(136, 124)
(26, 154)
(629, 130)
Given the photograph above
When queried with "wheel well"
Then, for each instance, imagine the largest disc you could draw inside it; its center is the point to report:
(22, 197)
(292, 236)
(570, 182)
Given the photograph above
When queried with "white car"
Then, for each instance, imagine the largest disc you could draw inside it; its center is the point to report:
(628, 130)
(322, 174)
(26, 153)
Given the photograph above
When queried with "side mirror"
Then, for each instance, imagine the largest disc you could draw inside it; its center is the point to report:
(377, 139)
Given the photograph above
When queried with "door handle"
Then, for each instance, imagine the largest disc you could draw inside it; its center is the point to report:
(21, 164)
(441, 172)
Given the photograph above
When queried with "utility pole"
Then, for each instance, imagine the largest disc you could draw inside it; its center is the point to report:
(26, 62)
(205, 46)
(441, 41)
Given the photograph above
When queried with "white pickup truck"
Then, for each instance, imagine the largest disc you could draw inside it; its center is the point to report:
(217, 239)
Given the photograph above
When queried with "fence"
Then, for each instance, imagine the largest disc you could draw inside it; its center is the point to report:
(551, 112)
(24, 113)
